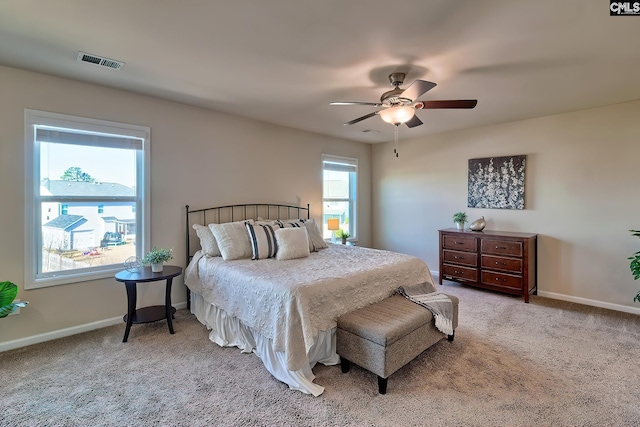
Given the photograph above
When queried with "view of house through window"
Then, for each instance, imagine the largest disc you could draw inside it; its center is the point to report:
(88, 195)
(96, 225)
(339, 194)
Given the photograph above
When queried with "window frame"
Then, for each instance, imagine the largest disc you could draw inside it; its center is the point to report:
(352, 200)
(33, 214)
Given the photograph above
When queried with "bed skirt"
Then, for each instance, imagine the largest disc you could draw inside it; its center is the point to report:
(228, 331)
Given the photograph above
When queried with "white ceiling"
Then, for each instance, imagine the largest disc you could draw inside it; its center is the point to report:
(283, 61)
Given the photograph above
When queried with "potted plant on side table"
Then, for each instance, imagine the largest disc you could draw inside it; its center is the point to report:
(156, 257)
(344, 235)
(460, 218)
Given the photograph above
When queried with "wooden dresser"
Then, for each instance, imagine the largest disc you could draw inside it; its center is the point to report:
(501, 261)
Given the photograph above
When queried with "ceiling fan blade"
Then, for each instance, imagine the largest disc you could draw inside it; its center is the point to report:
(375, 104)
(415, 121)
(458, 103)
(417, 89)
(359, 119)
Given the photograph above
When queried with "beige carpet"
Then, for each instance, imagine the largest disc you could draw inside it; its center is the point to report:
(547, 363)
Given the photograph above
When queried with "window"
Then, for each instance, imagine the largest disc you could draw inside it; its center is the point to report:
(339, 193)
(87, 204)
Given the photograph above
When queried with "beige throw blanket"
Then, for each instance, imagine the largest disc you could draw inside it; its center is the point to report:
(438, 303)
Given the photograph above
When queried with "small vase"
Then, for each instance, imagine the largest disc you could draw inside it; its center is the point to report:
(344, 240)
(157, 267)
(460, 225)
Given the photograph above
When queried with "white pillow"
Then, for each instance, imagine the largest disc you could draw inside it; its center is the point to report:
(207, 241)
(295, 223)
(232, 239)
(292, 243)
(263, 240)
(315, 236)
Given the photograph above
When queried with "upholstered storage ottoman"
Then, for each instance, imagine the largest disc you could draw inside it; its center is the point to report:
(385, 336)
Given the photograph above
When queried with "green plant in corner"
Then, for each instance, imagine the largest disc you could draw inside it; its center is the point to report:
(8, 293)
(157, 256)
(635, 264)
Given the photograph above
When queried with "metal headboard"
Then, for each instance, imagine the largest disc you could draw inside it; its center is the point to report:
(229, 213)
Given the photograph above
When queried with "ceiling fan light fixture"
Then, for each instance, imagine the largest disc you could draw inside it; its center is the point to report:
(397, 115)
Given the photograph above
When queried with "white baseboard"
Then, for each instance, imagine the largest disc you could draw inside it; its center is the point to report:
(61, 333)
(578, 300)
(591, 302)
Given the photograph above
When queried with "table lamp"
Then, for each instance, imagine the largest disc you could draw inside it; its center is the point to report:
(333, 224)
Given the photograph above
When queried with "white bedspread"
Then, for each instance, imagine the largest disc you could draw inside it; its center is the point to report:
(290, 301)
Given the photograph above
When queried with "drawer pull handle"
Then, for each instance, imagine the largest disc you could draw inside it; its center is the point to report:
(458, 243)
(501, 263)
(457, 272)
(458, 257)
(501, 280)
(501, 247)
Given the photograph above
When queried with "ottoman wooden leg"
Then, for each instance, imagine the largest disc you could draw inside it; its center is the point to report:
(450, 337)
(382, 385)
(345, 365)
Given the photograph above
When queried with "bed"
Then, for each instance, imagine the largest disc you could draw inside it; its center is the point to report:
(285, 310)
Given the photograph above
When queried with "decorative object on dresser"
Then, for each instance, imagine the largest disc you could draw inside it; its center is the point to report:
(478, 224)
(500, 261)
(497, 182)
(460, 218)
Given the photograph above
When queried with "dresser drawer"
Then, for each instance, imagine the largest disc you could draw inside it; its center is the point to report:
(465, 258)
(502, 263)
(499, 279)
(460, 273)
(501, 247)
(459, 243)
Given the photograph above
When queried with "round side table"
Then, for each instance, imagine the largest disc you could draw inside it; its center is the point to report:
(153, 313)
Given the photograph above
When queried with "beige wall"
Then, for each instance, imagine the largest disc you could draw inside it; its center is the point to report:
(198, 157)
(581, 196)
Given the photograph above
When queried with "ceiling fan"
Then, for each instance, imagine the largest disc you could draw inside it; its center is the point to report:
(399, 105)
(405, 102)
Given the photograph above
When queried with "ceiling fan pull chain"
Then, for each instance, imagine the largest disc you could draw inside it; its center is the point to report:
(395, 139)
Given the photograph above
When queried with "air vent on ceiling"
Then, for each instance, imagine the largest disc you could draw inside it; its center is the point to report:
(99, 60)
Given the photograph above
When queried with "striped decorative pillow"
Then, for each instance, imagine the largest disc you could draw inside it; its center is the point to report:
(316, 241)
(263, 240)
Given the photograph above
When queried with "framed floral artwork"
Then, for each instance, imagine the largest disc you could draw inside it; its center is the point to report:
(497, 182)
